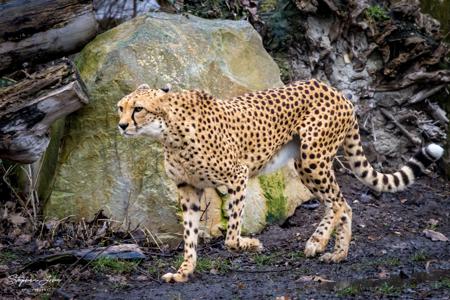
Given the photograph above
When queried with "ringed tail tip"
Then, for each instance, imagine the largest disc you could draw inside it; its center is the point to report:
(434, 151)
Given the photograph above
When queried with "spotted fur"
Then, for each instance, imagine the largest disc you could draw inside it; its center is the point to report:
(210, 142)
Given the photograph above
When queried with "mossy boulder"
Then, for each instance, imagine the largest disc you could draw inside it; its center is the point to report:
(99, 169)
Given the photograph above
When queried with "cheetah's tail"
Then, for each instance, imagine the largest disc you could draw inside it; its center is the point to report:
(381, 182)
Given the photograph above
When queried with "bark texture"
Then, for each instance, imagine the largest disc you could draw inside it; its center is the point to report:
(30, 106)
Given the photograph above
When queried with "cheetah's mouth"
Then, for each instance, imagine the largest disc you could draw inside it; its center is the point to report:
(126, 133)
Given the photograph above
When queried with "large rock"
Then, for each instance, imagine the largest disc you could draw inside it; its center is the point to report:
(100, 169)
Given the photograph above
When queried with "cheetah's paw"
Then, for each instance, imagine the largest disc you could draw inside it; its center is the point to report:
(177, 277)
(334, 257)
(313, 248)
(251, 244)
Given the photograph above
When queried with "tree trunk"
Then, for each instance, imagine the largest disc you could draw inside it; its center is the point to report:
(39, 30)
(29, 107)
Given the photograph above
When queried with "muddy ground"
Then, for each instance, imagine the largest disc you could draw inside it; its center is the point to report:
(389, 257)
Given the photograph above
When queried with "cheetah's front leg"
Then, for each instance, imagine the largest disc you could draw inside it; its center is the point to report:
(237, 190)
(190, 204)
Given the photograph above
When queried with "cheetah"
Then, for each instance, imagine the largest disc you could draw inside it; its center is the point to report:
(209, 142)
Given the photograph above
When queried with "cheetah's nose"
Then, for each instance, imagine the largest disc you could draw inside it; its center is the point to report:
(123, 125)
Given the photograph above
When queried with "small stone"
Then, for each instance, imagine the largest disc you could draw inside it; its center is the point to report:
(433, 222)
(141, 278)
(347, 58)
(435, 236)
(214, 271)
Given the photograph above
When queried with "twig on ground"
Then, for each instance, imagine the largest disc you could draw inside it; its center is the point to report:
(21, 201)
(153, 237)
(342, 164)
(422, 95)
(204, 211)
(389, 116)
(437, 112)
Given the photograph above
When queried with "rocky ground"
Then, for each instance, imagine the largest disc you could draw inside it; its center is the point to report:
(389, 257)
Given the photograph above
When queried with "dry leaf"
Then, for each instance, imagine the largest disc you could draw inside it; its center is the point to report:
(383, 274)
(214, 271)
(283, 298)
(308, 278)
(428, 264)
(142, 278)
(17, 219)
(41, 244)
(373, 238)
(435, 236)
(433, 222)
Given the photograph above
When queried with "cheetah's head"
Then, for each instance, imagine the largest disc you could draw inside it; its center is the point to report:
(141, 112)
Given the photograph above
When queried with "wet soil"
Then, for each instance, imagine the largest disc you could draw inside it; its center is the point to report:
(389, 257)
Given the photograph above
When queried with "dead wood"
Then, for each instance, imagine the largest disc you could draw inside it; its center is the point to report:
(437, 113)
(29, 107)
(438, 77)
(423, 94)
(389, 116)
(34, 31)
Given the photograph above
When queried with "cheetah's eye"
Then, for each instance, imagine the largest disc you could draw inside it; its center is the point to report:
(138, 109)
(120, 108)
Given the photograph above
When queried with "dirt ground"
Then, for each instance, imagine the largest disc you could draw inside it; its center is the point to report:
(389, 257)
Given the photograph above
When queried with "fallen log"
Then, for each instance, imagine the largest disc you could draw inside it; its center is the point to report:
(425, 93)
(35, 31)
(389, 116)
(29, 107)
(439, 77)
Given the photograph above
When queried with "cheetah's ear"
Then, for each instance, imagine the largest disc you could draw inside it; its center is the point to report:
(166, 88)
(143, 87)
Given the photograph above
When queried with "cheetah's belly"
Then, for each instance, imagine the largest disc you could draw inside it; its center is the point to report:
(280, 159)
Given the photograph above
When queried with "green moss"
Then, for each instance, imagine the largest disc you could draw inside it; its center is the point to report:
(283, 63)
(440, 10)
(5, 82)
(7, 256)
(273, 187)
(443, 283)
(348, 291)
(267, 6)
(390, 261)
(88, 60)
(49, 161)
(105, 264)
(388, 290)
(297, 255)
(377, 13)
(265, 259)
(419, 256)
(394, 262)
(157, 267)
(205, 264)
(223, 215)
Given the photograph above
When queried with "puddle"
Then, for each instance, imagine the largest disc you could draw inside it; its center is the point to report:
(397, 281)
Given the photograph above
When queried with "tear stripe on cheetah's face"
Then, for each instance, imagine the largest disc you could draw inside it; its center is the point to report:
(141, 113)
(209, 142)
